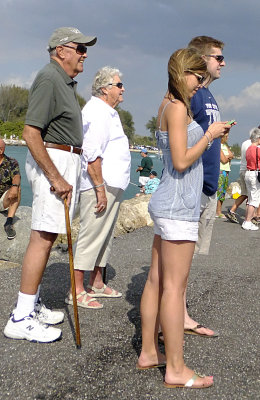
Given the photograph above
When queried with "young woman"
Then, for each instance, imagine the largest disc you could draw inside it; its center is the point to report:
(175, 208)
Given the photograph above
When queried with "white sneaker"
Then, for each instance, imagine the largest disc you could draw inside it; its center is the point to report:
(47, 316)
(30, 328)
(249, 226)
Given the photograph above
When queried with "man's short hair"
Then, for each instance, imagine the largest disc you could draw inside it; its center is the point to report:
(204, 44)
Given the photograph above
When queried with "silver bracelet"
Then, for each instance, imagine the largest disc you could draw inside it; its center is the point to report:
(101, 184)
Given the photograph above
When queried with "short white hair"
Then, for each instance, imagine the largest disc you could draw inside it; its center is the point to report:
(254, 135)
(103, 78)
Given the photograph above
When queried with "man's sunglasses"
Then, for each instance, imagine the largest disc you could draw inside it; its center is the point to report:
(218, 58)
(200, 78)
(80, 49)
(118, 84)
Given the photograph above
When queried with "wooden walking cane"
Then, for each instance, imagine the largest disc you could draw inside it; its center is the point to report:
(72, 276)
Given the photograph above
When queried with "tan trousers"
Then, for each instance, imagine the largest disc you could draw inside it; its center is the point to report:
(94, 240)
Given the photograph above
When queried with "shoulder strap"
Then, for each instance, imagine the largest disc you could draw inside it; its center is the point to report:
(257, 158)
(170, 101)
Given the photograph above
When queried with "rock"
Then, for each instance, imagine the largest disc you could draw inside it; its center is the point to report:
(13, 250)
(133, 214)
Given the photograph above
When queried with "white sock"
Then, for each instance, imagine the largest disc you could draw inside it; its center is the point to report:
(25, 305)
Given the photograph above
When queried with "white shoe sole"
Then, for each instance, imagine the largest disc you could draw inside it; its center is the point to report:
(15, 334)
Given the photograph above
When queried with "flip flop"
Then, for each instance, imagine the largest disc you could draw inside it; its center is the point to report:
(151, 366)
(193, 331)
(84, 303)
(100, 292)
(222, 216)
(189, 384)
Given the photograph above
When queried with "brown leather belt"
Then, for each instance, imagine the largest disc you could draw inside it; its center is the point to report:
(64, 147)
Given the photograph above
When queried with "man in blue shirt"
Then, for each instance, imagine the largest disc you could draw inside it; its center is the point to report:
(205, 111)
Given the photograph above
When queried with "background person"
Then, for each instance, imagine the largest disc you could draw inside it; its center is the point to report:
(151, 185)
(145, 168)
(231, 214)
(10, 190)
(53, 134)
(105, 175)
(252, 183)
(175, 217)
(226, 156)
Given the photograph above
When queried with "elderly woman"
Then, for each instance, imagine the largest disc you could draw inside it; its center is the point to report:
(252, 183)
(105, 175)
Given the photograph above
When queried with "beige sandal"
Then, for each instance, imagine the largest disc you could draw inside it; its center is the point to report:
(101, 292)
(84, 303)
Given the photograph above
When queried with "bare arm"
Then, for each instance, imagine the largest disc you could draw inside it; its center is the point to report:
(95, 172)
(176, 119)
(13, 192)
(32, 136)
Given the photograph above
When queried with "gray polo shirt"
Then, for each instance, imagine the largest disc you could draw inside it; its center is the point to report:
(53, 106)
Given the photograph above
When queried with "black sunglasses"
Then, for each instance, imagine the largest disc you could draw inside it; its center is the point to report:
(218, 58)
(80, 49)
(118, 84)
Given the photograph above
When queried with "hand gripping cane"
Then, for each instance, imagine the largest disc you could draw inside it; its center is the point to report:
(72, 276)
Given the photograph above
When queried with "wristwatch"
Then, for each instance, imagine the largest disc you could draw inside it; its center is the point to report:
(15, 184)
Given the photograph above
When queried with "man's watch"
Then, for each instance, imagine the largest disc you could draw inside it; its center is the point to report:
(15, 184)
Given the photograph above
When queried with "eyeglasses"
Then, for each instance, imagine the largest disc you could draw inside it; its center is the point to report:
(218, 58)
(200, 78)
(80, 49)
(118, 84)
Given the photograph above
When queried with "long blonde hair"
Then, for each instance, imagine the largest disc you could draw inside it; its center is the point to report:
(180, 61)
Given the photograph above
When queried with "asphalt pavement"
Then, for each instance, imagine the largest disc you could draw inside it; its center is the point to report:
(223, 295)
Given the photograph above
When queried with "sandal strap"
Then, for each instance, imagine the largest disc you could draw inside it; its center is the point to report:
(193, 379)
(96, 290)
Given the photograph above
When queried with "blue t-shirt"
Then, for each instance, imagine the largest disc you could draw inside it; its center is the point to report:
(205, 111)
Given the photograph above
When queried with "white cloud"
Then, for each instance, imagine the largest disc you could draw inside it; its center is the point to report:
(247, 98)
(20, 81)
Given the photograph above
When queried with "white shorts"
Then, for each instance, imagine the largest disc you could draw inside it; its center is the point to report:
(172, 229)
(143, 180)
(2, 202)
(253, 188)
(48, 213)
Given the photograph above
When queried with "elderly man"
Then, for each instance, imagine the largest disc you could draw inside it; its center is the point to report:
(105, 175)
(53, 133)
(10, 191)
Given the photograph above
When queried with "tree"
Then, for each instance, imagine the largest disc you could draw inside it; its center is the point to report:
(236, 149)
(127, 123)
(152, 126)
(81, 101)
(13, 102)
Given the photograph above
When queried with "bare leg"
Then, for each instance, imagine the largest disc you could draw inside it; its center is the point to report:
(176, 261)
(190, 323)
(35, 260)
(150, 301)
(96, 280)
(12, 205)
(79, 283)
(250, 213)
(219, 207)
(238, 202)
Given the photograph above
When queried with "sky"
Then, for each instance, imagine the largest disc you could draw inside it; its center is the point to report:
(138, 37)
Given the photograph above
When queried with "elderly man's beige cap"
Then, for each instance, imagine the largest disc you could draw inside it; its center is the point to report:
(69, 34)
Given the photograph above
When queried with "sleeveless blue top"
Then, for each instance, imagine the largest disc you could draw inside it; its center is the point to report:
(178, 195)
